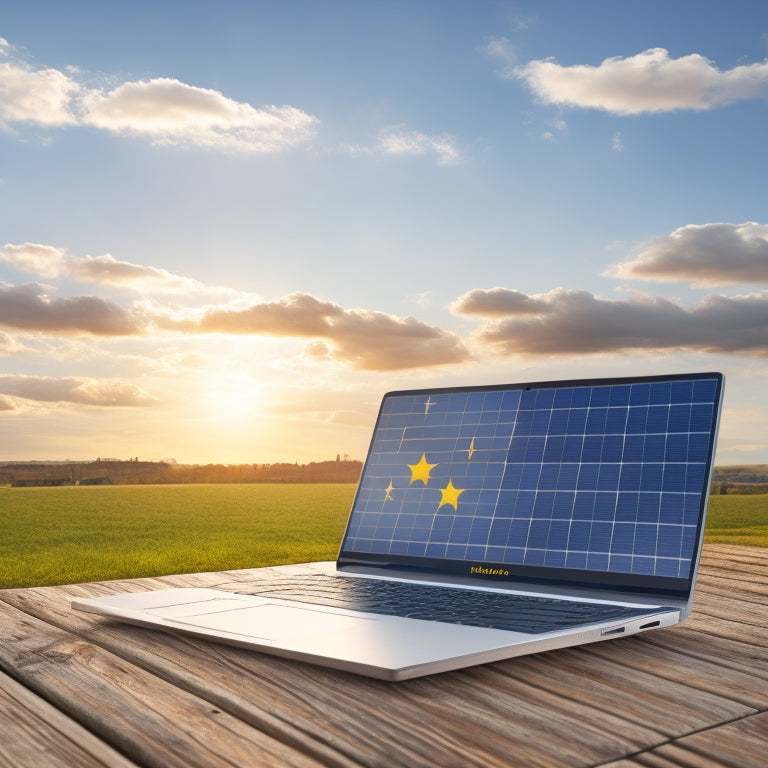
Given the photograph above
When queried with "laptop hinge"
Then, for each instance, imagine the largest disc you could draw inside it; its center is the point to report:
(588, 593)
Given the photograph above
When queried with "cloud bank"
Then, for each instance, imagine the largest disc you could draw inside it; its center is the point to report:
(707, 254)
(364, 339)
(80, 391)
(572, 322)
(648, 82)
(30, 308)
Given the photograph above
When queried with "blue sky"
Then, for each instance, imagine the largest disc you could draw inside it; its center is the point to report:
(226, 229)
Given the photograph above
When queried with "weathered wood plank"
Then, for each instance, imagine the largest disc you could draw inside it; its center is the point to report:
(728, 607)
(740, 744)
(142, 716)
(35, 734)
(654, 700)
(746, 589)
(370, 721)
(598, 674)
(744, 632)
(667, 657)
(733, 550)
(613, 699)
(713, 553)
(673, 757)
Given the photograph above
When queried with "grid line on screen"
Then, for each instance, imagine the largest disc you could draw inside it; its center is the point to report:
(605, 477)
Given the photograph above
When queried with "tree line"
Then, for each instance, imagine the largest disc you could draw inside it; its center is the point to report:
(111, 472)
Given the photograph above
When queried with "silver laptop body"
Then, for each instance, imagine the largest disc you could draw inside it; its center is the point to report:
(578, 498)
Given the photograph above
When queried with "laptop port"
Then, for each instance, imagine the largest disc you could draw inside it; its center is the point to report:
(649, 625)
(614, 631)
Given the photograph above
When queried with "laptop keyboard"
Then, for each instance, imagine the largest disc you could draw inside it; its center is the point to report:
(518, 613)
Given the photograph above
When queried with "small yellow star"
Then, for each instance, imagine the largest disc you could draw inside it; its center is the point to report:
(450, 495)
(388, 492)
(471, 449)
(421, 470)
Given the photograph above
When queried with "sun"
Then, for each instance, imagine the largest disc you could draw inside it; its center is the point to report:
(230, 400)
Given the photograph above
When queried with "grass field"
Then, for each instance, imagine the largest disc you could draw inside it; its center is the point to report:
(66, 535)
(737, 520)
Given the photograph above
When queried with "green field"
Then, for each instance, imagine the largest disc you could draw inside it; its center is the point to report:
(66, 535)
(737, 520)
(74, 534)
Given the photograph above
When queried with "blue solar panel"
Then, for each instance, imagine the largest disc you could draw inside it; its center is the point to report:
(607, 477)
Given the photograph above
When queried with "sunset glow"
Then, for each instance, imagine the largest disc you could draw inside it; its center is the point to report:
(220, 248)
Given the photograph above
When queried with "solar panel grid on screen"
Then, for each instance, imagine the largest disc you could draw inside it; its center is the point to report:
(598, 478)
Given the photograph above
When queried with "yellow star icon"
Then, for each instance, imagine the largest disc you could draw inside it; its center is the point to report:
(471, 449)
(421, 470)
(388, 492)
(450, 495)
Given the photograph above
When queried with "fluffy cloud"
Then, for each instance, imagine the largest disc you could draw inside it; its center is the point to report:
(172, 112)
(397, 141)
(163, 109)
(707, 254)
(647, 82)
(44, 96)
(577, 322)
(29, 308)
(48, 261)
(362, 338)
(74, 390)
(496, 302)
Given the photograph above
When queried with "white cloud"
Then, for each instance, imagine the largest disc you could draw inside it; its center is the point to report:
(707, 254)
(398, 141)
(497, 302)
(51, 262)
(74, 390)
(163, 109)
(43, 96)
(172, 112)
(34, 258)
(648, 82)
(570, 322)
(169, 112)
(617, 143)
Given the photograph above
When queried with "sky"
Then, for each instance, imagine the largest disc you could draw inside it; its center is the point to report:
(227, 229)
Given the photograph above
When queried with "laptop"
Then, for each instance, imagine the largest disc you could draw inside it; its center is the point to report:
(489, 522)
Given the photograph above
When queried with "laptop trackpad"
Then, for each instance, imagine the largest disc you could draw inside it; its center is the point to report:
(272, 622)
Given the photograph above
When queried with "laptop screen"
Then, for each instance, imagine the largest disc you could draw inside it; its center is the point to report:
(600, 482)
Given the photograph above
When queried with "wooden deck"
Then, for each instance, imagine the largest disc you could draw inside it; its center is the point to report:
(80, 691)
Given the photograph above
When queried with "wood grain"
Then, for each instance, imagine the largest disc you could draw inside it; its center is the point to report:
(691, 695)
(36, 733)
